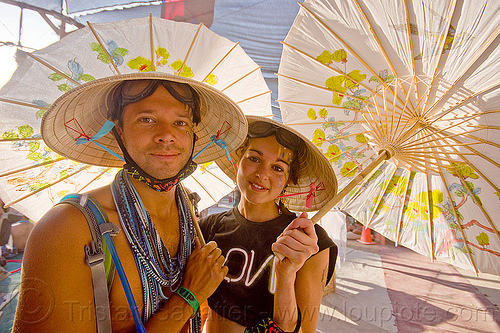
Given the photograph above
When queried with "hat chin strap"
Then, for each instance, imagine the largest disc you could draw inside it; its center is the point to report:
(160, 185)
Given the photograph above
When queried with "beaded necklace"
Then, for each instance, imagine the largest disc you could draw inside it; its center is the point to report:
(149, 252)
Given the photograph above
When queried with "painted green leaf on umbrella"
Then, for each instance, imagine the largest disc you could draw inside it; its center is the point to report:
(162, 56)
(463, 170)
(356, 76)
(326, 57)
(318, 137)
(25, 131)
(361, 138)
(348, 169)
(9, 135)
(483, 239)
(211, 79)
(323, 112)
(112, 53)
(396, 185)
(141, 64)
(184, 71)
(56, 77)
(335, 83)
(436, 199)
(311, 114)
(333, 153)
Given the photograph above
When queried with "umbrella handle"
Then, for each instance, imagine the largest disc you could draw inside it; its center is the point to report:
(197, 228)
(383, 155)
(374, 165)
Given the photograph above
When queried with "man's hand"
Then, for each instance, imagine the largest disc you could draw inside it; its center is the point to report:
(205, 270)
(296, 243)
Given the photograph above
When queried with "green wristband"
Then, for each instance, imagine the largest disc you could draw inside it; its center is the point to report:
(189, 298)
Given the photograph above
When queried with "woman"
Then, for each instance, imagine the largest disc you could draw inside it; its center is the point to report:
(277, 169)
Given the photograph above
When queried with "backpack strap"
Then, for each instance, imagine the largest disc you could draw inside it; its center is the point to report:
(97, 255)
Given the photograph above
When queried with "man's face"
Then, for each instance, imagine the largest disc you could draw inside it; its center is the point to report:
(157, 132)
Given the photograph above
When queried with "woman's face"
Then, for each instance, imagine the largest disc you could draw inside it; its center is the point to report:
(264, 170)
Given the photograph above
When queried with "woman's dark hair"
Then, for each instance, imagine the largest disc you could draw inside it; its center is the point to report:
(119, 97)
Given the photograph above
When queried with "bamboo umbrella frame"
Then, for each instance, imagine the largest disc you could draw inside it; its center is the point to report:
(424, 135)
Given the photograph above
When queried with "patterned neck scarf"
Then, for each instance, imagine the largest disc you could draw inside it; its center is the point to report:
(160, 185)
(156, 268)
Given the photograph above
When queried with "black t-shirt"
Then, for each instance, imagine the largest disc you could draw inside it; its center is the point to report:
(246, 294)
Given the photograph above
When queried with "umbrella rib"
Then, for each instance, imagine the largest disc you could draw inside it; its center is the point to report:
(429, 218)
(33, 166)
(322, 88)
(381, 48)
(455, 214)
(442, 44)
(380, 197)
(478, 204)
(422, 155)
(30, 105)
(218, 178)
(241, 78)
(105, 50)
(220, 61)
(401, 211)
(412, 50)
(476, 153)
(254, 96)
(373, 92)
(415, 164)
(341, 137)
(46, 186)
(360, 179)
(328, 122)
(422, 158)
(433, 131)
(458, 104)
(350, 149)
(431, 148)
(377, 131)
(22, 139)
(400, 116)
(190, 48)
(203, 187)
(46, 64)
(484, 51)
(480, 140)
(319, 105)
(94, 179)
(151, 43)
(476, 115)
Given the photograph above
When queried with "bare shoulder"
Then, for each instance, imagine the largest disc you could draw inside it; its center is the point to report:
(54, 265)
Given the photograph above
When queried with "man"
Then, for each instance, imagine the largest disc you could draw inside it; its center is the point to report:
(158, 125)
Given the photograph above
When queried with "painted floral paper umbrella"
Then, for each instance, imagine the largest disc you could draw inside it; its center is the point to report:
(403, 97)
(33, 178)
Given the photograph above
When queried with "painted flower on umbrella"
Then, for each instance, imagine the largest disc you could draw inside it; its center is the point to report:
(419, 209)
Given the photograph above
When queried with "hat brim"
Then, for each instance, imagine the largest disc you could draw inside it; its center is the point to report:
(314, 169)
(85, 108)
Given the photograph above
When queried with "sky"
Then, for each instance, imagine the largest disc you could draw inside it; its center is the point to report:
(36, 34)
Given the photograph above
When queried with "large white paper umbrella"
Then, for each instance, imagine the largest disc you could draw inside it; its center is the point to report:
(32, 177)
(403, 97)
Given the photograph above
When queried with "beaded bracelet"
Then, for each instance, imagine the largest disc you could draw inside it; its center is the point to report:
(267, 325)
(189, 298)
